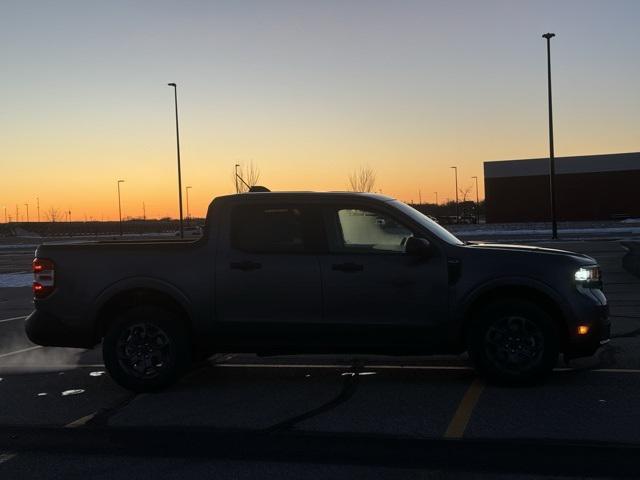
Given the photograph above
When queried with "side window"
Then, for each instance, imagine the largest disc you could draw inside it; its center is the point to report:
(267, 229)
(364, 231)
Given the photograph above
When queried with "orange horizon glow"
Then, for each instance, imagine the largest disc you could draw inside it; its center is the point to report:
(308, 92)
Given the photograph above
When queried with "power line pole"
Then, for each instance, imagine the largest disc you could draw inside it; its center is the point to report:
(477, 202)
(120, 206)
(188, 214)
(552, 162)
(457, 204)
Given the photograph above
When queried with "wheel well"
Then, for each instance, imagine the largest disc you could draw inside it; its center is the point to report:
(136, 297)
(518, 292)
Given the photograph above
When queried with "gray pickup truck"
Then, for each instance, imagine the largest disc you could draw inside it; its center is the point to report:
(304, 272)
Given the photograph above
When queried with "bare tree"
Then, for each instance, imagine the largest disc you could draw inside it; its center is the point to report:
(248, 176)
(465, 191)
(363, 179)
(52, 215)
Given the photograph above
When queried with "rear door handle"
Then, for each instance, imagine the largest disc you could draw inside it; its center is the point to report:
(347, 267)
(245, 266)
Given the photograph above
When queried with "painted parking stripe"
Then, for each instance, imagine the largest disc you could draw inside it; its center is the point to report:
(80, 421)
(19, 351)
(5, 457)
(461, 418)
(11, 319)
(404, 367)
(52, 366)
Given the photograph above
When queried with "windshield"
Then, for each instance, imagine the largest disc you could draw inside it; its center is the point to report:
(439, 231)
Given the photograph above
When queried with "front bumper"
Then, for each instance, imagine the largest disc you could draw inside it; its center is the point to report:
(48, 330)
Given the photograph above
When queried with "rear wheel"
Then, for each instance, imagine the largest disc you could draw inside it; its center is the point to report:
(146, 349)
(513, 341)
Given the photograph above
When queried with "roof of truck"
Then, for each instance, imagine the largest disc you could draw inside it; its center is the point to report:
(328, 195)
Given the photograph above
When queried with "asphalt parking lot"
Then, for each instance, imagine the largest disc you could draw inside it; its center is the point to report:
(594, 399)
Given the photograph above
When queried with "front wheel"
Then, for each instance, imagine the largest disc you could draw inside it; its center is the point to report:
(513, 341)
(146, 349)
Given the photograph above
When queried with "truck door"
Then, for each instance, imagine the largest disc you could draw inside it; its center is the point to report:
(266, 269)
(369, 280)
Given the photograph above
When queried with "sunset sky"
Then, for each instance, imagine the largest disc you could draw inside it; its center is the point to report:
(308, 91)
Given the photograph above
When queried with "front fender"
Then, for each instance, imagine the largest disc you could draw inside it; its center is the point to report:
(464, 304)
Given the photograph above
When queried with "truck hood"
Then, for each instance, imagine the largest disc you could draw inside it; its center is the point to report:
(527, 249)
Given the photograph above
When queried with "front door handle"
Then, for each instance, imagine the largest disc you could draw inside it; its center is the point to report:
(347, 267)
(245, 266)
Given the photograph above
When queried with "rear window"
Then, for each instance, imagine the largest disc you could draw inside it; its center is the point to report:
(267, 229)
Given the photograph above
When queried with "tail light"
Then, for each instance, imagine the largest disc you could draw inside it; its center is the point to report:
(43, 277)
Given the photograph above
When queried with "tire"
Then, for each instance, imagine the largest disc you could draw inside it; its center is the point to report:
(513, 342)
(146, 349)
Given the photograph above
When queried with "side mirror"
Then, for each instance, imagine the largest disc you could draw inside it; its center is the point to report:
(417, 247)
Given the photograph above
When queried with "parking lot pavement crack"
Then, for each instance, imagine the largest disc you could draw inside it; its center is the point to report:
(349, 387)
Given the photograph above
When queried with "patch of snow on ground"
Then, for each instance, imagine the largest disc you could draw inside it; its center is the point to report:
(16, 279)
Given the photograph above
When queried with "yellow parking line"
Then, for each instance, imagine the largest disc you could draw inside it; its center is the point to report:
(461, 418)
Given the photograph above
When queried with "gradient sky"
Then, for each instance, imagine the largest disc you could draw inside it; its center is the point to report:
(308, 91)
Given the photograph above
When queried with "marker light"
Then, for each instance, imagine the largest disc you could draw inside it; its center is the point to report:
(583, 329)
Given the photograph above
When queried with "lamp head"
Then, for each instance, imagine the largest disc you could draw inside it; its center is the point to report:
(548, 36)
(172, 85)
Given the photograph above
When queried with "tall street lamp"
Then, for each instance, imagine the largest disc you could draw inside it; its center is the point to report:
(188, 214)
(120, 206)
(477, 201)
(5, 214)
(175, 94)
(457, 205)
(236, 178)
(552, 162)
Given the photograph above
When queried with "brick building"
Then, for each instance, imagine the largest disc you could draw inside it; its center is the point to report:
(589, 187)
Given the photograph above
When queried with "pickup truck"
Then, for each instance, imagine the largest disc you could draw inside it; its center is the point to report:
(305, 272)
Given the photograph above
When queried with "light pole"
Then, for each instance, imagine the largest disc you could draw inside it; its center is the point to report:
(27, 205)
(236, 178)
(175, 94)
(477, 201)
(457, 205)
(188, 214)
(5, 214)
(120, 206)
(552, 161)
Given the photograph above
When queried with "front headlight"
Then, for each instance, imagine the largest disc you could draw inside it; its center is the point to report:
(589, 277)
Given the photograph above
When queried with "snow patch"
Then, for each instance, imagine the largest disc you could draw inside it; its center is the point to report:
(9, 280)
